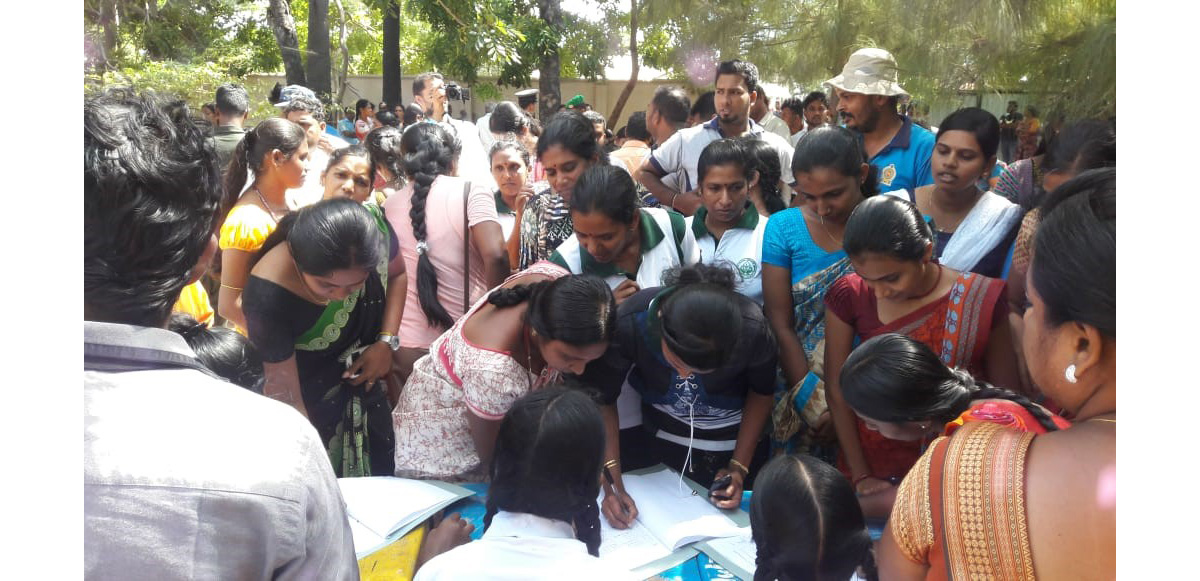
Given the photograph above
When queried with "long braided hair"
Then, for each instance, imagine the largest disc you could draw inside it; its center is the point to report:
(429, 151)
(548, 455)
(894, 378)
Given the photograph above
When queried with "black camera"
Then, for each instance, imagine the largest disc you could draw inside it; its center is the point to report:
(457, 93)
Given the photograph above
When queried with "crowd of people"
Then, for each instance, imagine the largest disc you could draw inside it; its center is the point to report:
(902, 347)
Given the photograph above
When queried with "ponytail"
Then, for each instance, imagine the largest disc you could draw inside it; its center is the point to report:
(429, 151)
(587, 527)
(274, 133)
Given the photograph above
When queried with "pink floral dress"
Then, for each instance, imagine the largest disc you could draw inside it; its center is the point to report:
(457, 377)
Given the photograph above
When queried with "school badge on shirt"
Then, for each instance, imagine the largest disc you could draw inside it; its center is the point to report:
(747, 267)
(888, 174)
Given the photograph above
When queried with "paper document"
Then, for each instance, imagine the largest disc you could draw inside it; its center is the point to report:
(670, 517)
(737, 553)
(382, 507)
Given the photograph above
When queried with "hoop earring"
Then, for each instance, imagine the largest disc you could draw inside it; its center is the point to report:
(1069, 373)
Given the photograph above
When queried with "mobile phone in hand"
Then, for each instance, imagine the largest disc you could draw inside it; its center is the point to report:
(720, 484)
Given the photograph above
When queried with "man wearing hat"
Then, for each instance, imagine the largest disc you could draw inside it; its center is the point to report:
(867, 100)
(527, 101)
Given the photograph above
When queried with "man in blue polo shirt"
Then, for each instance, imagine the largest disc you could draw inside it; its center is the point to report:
(736, 89)
(867, 100)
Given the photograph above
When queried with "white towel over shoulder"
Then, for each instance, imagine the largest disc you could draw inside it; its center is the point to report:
(989, 221)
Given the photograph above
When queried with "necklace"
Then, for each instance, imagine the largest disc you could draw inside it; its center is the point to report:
(528, 356)
(837, 243)
(268, 207)
(307, 290)
(1108, 420)
(932, 288)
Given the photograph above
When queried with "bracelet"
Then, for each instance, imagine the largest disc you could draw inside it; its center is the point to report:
(673, 196)
(223, 285)
(386, 333)
(739, 467)
(611, 464)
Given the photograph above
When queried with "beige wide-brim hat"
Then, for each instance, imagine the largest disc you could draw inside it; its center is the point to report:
(870, 71)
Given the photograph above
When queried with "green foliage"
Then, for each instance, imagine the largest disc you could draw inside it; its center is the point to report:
(196, 84)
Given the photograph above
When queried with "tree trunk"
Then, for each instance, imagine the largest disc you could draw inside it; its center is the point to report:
(345, 52)
(109, 21)
(614, 120)
(279, 14)
(319, 67)
(391, 54)
(549, 97)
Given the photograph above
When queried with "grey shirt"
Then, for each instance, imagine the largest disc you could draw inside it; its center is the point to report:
(187, 476)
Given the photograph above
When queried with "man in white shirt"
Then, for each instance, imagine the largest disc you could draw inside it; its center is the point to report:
(791, 110)
(185, 476)
(429, 92)
(309, 114)
(736, 83)
(760, 112)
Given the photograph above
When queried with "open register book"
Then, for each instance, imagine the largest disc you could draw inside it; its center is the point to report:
(670, 518)
(382, 509)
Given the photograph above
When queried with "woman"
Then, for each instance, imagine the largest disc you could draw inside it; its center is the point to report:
(802, 256)
(542, 520)
(1028, 132)
(350, 175)
(434, 215)
(223, 351)
(700, 360)
(565, 149)
(323, 305)
(364, 119)
(509, 161)
(277, 152)
(974, 228)
(900, 388)
(727, 227)
(614, 238)
(765, 190)
(539, 323)
(897, 287)
(806, 523)
(1081, 146)
(1035, 506)
(387, 161)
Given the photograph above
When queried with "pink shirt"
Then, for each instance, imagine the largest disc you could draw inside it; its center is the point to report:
(445, 238)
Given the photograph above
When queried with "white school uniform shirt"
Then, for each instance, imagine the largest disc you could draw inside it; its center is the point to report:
(681, 152)
(666, 243)
(740, 247)
(520, 547)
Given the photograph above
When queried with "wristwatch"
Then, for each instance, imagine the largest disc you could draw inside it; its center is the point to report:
(391, 340)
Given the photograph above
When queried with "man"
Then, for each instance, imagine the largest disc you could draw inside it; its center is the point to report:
(233, 107)
(736, 82)
(666, 114)
(429, 93)
(599, 125)
(184, 474)
(760, 112)
(1008, 132)
(792, 113)
(486, 139)
(867, 98)
(309, 114)
(702, 110)
(816, 110)
(527, 101)
(637, 144)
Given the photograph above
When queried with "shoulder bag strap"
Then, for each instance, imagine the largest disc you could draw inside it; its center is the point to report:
(466, 250)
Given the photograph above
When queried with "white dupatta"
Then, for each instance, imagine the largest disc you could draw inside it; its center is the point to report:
(990, 220)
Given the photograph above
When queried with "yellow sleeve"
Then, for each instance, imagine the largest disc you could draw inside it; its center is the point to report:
(194, 301)
(246, 228)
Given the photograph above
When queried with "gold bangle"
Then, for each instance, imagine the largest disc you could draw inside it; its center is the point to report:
(739, 466)
(223, 285)
(611, 464)
(386, 333)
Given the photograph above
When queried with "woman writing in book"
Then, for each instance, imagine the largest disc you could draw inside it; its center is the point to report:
(323, 305)
(539, 323)
(702, 359)
(1033, 506)
(806, 523)
(897, 287)
(542, 520)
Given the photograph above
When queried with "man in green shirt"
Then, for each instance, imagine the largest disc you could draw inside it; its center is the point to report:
(233, 105)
